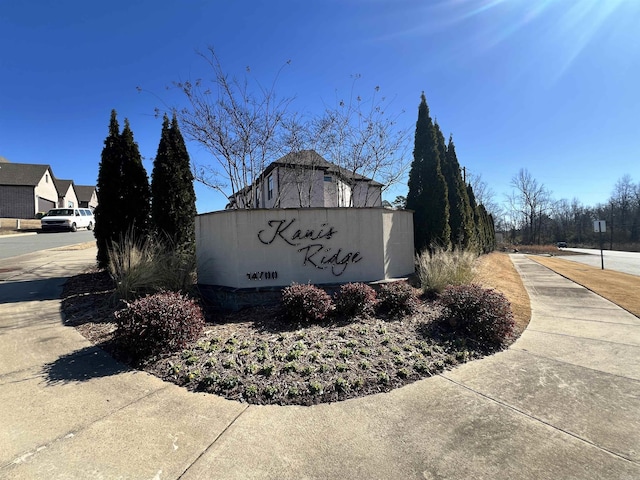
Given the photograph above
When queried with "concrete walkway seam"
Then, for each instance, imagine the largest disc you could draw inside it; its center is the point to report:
(539, 420)
(72, 434)
(215, 440)
(577, 283)
(537, 355)
(595, 340)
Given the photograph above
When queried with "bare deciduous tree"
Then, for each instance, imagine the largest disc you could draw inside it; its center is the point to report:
(531, 200)
(246, 126)
(485, 196)
(240, 123)
(362, 138)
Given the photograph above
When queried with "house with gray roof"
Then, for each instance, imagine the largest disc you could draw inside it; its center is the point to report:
(26, 189)
(87, 196)
(67, 197)
(306, 179)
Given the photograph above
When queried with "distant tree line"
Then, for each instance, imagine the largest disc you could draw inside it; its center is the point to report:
(533, 216)
(446, 213)
(129, 205)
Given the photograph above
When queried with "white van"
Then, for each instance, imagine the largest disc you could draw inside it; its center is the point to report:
(68, 219)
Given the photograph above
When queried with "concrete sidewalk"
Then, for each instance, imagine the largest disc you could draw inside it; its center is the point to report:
(562, 403)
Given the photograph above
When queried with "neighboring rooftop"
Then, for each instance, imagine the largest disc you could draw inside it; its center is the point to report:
(22, 173)
(84, 192)
(62, 185)
(311, 159)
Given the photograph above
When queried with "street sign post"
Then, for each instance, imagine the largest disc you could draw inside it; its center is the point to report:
(600, 226)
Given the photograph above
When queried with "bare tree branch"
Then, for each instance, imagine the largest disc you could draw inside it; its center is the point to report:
(240, 126)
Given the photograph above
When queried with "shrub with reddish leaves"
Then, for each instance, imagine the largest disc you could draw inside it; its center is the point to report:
(483, 315)
(159, 323)
(398, 298)
(355, 299)
(306, 303)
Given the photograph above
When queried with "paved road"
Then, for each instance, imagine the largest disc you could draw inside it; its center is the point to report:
(14, 245)
(627, 262)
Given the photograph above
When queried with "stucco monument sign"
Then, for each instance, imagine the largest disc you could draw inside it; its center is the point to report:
(266, 249)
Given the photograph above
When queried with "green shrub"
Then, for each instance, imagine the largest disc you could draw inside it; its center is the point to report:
(480, 314)
(355, 299)
(397, 298)
(306, 303)
(158, 323)
(442, 267)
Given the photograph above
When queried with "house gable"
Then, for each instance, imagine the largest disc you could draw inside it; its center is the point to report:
(87, 196)
(67, 197)
(26, 189)
(306, 179)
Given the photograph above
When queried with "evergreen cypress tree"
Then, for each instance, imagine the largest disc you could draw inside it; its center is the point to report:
(442, 148)
(173, 207)
(134, 186)
(491, 233)
(108, 211)
(427, 195)
(460, 214)
(484, 229)
(475, 241)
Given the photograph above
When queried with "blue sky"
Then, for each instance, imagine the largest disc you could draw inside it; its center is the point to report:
(552, 86)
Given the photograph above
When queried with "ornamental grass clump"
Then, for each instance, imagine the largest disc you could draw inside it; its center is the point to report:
(354, 299)
(306, 303)
(131, 265)
(480, 314)
(144, 265)
(397, 299)
(160, 323)
(443, 267)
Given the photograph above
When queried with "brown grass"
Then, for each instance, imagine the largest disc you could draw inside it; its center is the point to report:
(8, 226)
(617, 287)
(537, 250)
(496, 270)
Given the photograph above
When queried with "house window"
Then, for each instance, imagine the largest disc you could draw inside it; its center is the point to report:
(270, 187)
(327, 178)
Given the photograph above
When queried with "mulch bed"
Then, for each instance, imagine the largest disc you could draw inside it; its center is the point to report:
(257, 356)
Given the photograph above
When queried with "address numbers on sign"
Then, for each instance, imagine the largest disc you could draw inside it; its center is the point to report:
(262, 275)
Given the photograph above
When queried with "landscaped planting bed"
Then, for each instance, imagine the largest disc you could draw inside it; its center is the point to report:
(260, 356)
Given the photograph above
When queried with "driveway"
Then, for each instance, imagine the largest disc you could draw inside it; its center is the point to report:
(562, 403)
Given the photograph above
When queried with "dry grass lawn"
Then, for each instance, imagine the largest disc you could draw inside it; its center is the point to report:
(8, 226)
(496, 270)
(620, 288)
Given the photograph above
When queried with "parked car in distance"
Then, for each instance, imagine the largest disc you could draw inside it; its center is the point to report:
(68, 219)
(562, 244)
